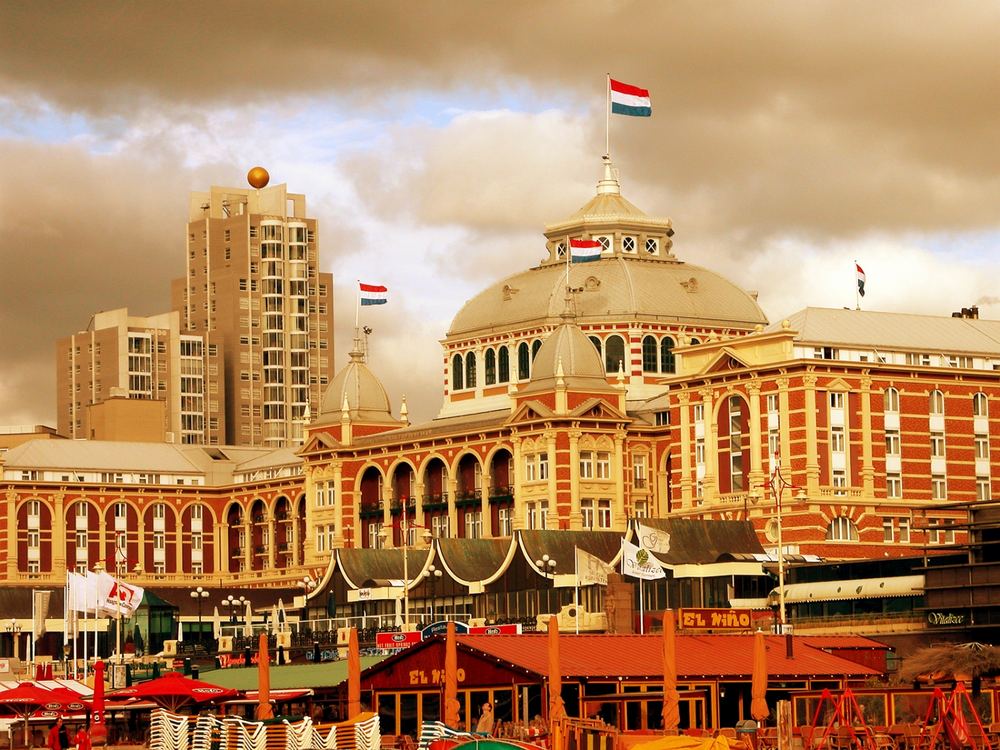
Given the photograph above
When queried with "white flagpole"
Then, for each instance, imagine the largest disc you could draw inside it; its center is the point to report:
(576, 591)
(642, 610)
(607, 128)
(357, 308)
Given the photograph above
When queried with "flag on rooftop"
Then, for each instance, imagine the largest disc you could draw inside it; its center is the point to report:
(590, 569)
(584, 251)
(629, 100)
(861, 279)
(373, 294)
(654, 540)
(637, 563)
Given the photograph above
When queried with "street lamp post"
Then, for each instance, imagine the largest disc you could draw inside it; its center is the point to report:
(405, 526)
(199, 595)
(14, 628)
(234, 604)
(432, 574)
(547, 566)
(777, 484)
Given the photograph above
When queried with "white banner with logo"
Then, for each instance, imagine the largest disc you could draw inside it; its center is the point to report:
(637, 563)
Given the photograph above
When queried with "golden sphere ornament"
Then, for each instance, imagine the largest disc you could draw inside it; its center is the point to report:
(258, 177)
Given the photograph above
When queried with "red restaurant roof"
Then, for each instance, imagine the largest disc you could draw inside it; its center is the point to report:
(637, 656)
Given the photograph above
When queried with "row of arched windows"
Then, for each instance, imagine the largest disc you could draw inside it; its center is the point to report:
(496, 366)
(980, 407)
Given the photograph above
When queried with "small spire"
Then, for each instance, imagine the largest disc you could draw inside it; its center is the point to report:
(621, 374)
(609, 185)
(559, 372)
(345, 407)
(404, 412)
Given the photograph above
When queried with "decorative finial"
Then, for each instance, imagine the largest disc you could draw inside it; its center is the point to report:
(609, 184)
(258, 177)
(404, 412)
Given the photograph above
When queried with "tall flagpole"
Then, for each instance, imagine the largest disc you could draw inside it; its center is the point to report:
(857, 289)
(607, 126)
(642, 609)
(357, 308)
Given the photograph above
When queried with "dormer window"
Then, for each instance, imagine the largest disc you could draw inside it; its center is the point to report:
(653, 246)
(605, 243)
(628, 244)
(561, 250)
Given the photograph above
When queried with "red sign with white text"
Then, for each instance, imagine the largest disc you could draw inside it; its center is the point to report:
(508, 629)
(397, 640)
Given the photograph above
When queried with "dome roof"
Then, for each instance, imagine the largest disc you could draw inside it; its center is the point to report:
(614, 288)
(569, 354)
(356, 387)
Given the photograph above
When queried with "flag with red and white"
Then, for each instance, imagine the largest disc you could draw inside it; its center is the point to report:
(584, 251)
(629, 100)
(373, 294)
(861, 279)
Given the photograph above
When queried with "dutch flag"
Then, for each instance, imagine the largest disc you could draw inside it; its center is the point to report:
(373, 294)
(629, 100)
(584, 251)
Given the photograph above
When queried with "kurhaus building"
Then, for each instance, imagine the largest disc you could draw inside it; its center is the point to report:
(576, 397)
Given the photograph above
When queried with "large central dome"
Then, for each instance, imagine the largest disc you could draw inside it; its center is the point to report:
(636, 279)
(618, 288)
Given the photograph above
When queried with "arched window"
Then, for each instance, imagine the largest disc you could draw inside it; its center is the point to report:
(470, 370)
(504, 374)
(667, 363)
(457, 367)
(694, 341)
(614, 353)
(891, 400)
(535, 346)
(523, 361)
(597, 344)
(649, 354)
(937, 403)
(842, 529)
(490, 367)
(979, 407)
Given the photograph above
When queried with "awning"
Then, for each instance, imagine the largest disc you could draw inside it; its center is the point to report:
(861, 588)
(712, 570)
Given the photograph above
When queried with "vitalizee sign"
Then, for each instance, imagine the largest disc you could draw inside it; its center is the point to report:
(945, 618)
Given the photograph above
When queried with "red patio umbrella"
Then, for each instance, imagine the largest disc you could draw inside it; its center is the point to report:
(27, 697)
(174, 691)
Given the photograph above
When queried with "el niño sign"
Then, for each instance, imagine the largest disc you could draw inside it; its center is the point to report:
(715, 619)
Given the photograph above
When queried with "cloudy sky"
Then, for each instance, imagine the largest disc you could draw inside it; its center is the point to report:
(434, 140)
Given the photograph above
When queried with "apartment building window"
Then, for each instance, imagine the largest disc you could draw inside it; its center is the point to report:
(982, 443)
(842, 529)
(837, 400)
(904, 530)
(983, 490)
(837, 442)
(892, 400)
(937, 445)
(586, 465)
(374, 540)
(939, 487)
(698, 413)
(893, 486)
(980, 407)
(888, 530)
(538, 515)
(474, 524)
(604, 514)
(602, 465)
(505, 521)
(892, 443)
(699, 451)
(937, 403)
(933, 531)
(439, 527)
(639, 471)
(839, 482)
(587, 513)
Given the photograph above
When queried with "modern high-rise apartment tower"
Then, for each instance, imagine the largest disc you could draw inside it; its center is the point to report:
(252, 283)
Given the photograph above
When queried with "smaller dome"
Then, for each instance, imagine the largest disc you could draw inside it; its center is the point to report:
(360, 390)
(569, 354)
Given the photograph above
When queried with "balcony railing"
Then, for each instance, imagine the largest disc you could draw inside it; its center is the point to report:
(500, 495)
(370, 511)
(464, 498)
(436, 502)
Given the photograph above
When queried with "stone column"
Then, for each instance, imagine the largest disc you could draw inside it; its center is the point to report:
(518, 510)
(272, 538)
(58, 534)
(221, 548)
(550, 450)
(619, 523)
(11, 563)
(487, 477)
(452, 484)
(757, 472)
(576, 518)
(687, 479)
(812, 448)
(867, 462)
(709, 484)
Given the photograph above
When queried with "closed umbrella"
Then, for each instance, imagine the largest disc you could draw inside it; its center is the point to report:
(98, 728)
(451, 705)
(264, 710)
(248, 621)
(557, 709)
(758, 686)
(671, 699)
(274, 619)
(216, 624)
(353, 675)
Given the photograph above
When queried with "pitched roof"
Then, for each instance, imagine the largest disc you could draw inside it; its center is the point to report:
(636, 656)
(893, 331)
(697, 541)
